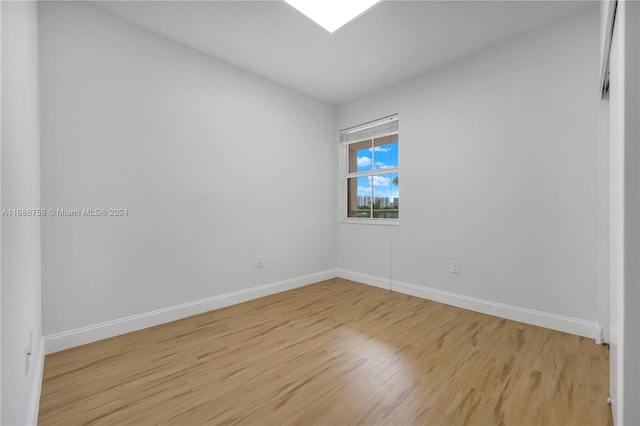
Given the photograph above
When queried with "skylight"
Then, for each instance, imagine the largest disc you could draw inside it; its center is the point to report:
(332, 14)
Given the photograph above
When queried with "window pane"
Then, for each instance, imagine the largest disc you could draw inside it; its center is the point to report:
(386, 152)
(360, 158)
(386, 198)
(359, 193)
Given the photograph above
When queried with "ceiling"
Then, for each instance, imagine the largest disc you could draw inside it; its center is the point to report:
(392, 42)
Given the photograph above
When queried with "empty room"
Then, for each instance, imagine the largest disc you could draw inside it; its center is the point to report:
(320, 212)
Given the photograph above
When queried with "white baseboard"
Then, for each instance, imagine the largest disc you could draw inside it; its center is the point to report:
(34, 404)
(529, 316)
(371, 280)
(84, 335)
(81, 336)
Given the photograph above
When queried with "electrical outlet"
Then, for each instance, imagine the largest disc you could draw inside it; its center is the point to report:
(455, 266)
(260, 261)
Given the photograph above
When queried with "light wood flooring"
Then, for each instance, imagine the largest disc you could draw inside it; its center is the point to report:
(332, 353)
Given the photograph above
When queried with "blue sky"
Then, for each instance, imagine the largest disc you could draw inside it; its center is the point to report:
(380, 158)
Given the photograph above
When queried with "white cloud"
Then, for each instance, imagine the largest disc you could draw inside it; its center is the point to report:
(381, 181)
(381, 149)
(381, 165)
(364, 161)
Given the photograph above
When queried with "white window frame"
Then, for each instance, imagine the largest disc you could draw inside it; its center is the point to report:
(345, 174)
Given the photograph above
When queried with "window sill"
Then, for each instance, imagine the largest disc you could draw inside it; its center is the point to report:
(383, 222)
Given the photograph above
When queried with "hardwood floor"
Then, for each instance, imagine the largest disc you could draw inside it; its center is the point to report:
(333, 353)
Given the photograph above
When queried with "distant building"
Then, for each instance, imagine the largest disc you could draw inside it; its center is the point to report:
(365, 200)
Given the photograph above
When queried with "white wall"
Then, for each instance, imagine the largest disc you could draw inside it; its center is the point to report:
(625, 214)
(215, 166)
(20, 190)
(603, 218)
(630, 12)
(499, 170)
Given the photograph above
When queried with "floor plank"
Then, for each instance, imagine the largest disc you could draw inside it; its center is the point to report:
(336, 352)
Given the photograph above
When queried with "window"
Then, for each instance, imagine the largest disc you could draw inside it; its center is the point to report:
(372, 170)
